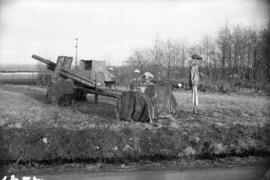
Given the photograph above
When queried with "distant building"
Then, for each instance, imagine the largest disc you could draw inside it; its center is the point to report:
(95, 70)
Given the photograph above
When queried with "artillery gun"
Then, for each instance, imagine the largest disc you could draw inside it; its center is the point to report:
(144, 103)
(61, 87)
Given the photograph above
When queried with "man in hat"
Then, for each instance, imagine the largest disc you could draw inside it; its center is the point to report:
(194, 78)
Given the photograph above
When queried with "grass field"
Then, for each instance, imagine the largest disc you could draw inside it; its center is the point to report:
(226, 125)
(221, 109)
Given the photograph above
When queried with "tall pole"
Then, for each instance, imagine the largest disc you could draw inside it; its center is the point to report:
(76, 56)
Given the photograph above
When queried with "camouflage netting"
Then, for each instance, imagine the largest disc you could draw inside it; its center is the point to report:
(61, 92)
(151, 102)
(163, 101)
(134, 106)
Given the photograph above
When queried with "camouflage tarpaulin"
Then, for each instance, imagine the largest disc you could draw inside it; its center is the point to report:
(134, 106)
(162, 99)
(152, 102)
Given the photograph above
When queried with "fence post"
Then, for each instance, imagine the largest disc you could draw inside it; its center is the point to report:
(96, 96)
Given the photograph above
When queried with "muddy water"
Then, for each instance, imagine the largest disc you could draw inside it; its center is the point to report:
(235, 173)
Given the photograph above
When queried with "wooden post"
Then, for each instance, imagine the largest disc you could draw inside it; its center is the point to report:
(96, 95)
(33, 80)
(96, 98)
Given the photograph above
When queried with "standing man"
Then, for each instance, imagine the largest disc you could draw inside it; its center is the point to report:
(135, 80)
(194, 80)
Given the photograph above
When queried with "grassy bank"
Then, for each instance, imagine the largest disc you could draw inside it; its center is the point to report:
(33, 131)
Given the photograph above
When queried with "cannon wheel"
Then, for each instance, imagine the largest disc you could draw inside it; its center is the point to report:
(80, 94)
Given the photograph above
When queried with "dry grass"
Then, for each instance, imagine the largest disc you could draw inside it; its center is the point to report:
(26, 104)
(225, 109)
(225, 125)
(23, 106)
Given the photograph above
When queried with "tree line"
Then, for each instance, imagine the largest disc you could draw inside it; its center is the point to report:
(237, 52)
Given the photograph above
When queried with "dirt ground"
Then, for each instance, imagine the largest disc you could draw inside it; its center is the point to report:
(225, 126)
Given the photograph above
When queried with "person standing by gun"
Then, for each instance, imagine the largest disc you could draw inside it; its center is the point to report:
(194, 79)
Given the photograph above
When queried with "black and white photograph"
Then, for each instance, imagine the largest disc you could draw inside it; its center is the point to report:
(134, 90)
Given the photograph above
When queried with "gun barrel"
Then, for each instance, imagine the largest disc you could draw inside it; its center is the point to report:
(51, 65)
(64, 72)
(77, 78)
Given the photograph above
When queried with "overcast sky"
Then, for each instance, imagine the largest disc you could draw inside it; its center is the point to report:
(110, 29)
